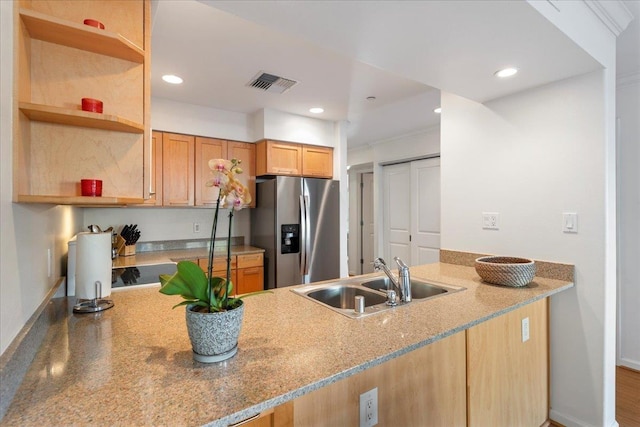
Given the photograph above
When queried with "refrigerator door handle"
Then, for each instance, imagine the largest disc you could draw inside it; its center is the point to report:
(307, 237)
(303, 235)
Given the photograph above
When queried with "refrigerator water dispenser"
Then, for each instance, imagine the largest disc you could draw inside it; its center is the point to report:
(290, 238)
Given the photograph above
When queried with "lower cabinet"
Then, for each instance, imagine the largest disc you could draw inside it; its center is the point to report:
(247, 271)
(484, 376)
(425, 387)
(507, 377)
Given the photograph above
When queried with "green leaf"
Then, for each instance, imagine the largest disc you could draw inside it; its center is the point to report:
(175, 285)
(193, 276)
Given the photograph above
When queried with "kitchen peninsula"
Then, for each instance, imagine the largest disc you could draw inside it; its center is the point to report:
(133, 365)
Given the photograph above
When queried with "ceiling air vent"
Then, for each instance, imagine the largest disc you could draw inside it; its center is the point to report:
(270, 83)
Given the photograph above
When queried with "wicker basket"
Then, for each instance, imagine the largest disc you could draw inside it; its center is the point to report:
(506, 271)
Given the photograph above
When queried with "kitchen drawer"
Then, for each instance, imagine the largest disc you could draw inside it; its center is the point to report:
(219, 263)
(250, 260)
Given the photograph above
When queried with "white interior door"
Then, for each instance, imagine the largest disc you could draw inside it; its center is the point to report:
(425, 211)
(397, 212)
(368, 229)
(411, 215)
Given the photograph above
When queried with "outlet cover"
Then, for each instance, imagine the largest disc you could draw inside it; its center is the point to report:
(525, 329)
(490, 220)
(369, 408)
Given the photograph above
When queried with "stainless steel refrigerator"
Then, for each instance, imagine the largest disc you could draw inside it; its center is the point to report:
(297, 222)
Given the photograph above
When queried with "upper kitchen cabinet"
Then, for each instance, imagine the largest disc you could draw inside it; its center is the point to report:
(278, 158)
(317, 161)
(59, 61)
(178, 169)
(182, 168)
(207, 149)
(287, 158)
(246, 153)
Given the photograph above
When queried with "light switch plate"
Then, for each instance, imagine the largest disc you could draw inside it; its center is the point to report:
(570, 222)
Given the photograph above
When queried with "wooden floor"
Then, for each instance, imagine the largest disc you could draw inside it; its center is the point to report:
(627, 397)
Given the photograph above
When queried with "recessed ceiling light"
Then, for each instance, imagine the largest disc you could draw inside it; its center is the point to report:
(506, 72)
(170, 78)
(438, 110)
(316, 110)
(371, 98)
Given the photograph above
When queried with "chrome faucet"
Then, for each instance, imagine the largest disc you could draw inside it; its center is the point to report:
(402, 284)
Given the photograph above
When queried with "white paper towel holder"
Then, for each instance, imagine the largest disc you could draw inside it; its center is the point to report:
(93, 305)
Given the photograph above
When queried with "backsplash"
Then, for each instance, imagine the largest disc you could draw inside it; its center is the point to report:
(161, 224)
(172, 245)
(549, 270)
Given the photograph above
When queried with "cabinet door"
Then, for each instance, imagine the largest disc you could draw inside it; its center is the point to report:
(207, 149)
(508, 379)
(177, 169)
(246, 153)
(424, 387)
(250, 280)
(317, 161)
(278, 158)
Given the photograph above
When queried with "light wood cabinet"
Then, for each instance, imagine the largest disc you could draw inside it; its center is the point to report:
(423, 387)
(278, 158)
(317, 161)
(288, 158)
(182, 168)
(508, 379)
(178, 154)
(207, 149)
(484, 376)
(59, 61)
(246, 153)
(247, 271)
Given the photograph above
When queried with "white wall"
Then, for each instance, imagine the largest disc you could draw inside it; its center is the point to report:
(26, 231)
(294, 128)
(170, 223)
(628, 112)
(178, 117)
(531, 158)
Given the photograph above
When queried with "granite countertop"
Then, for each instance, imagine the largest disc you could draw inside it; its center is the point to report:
(132, 364)
(156, 257)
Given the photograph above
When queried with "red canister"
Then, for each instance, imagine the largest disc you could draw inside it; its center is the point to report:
(91, 187)
(93, 105)
(94, 23)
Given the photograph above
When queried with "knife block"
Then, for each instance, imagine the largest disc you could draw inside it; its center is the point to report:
(128, 250)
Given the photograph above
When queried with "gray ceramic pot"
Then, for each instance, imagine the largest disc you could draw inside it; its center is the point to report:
(214, 336)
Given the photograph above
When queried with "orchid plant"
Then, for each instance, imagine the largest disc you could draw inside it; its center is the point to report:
(189, 281)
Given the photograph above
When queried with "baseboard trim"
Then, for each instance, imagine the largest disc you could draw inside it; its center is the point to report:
(564, 420)
(634, 365)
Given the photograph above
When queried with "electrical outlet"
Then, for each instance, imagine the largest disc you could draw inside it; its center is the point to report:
(490, 220)
(49, 263)
(525, 329)
(369, 408)
(196, 227)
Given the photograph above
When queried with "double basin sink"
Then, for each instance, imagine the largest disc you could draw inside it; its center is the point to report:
(340, 296)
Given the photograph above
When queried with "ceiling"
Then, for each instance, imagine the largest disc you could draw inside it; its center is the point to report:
(342, 52)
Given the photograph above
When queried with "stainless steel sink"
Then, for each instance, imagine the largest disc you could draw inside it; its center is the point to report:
(340, 296)
(419, 289)
(343, 296)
